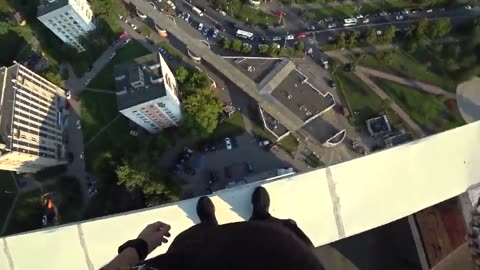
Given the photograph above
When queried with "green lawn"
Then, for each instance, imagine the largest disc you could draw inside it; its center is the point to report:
(8, 190)
(313, 161)
(233, 126)
(362, 102)
(247, 14)
(408, 66)
(97, 110)
(429, 111)
(104, 79)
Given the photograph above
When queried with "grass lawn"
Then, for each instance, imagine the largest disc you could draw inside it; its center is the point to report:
(97, 110)
(7, 184)
(313, 161)
(429, 111)
(408, 66)
(233, 126)
(362, 102)
(104, 79)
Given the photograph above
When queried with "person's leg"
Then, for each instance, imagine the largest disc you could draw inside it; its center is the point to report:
(193, 235)
(261, 205)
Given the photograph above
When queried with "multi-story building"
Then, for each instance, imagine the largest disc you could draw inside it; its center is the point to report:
(31, 130)
(68, 19)
(147, 93)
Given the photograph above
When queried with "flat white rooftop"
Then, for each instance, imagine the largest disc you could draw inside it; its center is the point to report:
(328, 204)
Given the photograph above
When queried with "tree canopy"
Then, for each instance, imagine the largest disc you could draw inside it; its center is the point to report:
(201, 113)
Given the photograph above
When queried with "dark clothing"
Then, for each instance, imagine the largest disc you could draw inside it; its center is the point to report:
(261, 243)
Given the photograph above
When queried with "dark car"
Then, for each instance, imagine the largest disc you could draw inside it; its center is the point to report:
(220, 27)
(213, 177)
(332, 84)
(249, 167)
(190, 171)
(228, 171)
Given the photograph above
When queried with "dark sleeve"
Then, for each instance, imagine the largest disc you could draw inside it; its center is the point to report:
(238, 246)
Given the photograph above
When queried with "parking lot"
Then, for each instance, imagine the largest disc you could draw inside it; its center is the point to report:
(230, 166)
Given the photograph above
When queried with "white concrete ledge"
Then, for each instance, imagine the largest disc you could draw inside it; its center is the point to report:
(328, 204)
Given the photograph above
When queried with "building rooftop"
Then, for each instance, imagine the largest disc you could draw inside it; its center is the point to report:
(398, 139)
(300, 97)
(328, 204)
(260, 67)
(272, 124)
(7, 95)
(125, 74)
(47, 6)
(378, 125)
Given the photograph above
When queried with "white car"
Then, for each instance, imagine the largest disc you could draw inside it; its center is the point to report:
(405, 11)
(331, 25)
(379, 32)
(399, 17)
(383, 13)
(290, 37)
(79, 126)
(276, 38)
(68, 95)
(171, 4)
(359, 16)
(228, 143)
(429, 10)
(134, 26)
(200, 26)
(468, 7)
(222, 12)
(81, 155)
(366, 20)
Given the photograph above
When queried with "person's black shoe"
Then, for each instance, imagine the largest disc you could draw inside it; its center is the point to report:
(261, 203)
(206, 210)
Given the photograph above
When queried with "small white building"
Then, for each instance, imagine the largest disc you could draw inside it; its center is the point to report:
(147, 93)
(68, 19)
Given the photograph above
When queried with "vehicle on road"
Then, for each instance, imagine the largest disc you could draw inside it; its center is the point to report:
(311, 28)
(332, 84)
(405, 11)
(331, 25)
(68, 94)
(81, 155)
(197, 11)
(468, 7)
(244, 34)
(359, 16)
(171, 4)
(206, 31)
(301, 35)
(289, 37)
(200, 26)
(383, 13)
(134, 26)
(277, 38)
(429, 10)
(228, 143)
(399, 17)
(416, 10)
(187, 17)
(79, 126)
(223, 13)
(366, 20)
(215, 33)
(349, 22)
(162, 50)
(220, 27)
(263, 143)
(228, 171)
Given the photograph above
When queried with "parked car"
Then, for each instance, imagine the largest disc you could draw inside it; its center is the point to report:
(133, 26)
(249, 167)
(228, 171)
(79, 126)
(277, 38)
(383, 13)
(223, 13)
(399, 17)
(228, 143)
(215, 33)
(220, 27)
(206, 31)
(366, 20)
(263, 143)
(68, 94)
(289, 37)
(331, 25)
(200, 26)
(332, 84)
(311, 28)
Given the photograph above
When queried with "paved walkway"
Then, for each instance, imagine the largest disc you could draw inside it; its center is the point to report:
(377, 90)
(102, 91)
(468, 100)
(428, 88)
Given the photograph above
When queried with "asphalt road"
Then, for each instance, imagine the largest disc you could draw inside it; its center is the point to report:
(295, 26)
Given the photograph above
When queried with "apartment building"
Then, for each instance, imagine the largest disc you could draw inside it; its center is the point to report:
(147, 93)
(68, 19)
(31, 132)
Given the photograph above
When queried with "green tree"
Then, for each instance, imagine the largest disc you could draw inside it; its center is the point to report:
(197, 80)
(236, 45)
(389, 34)
(201, 113)
(340, 41)
(274, 49)
(371, 36)
(263, 49)
(411, 46)
(246, 48)
(300, 46)
(420, 29)
(227, 43)
(352, 39)
(53, 77)
(182, 74)
(440, 28)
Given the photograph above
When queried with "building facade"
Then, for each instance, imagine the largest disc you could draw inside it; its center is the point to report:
(31, 130)
(68, 19)
(147, 93)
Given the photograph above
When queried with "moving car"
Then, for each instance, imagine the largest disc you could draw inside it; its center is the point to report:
(223, 13)
(228, 143)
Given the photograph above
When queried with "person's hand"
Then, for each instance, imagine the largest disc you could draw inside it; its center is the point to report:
(155, 234)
